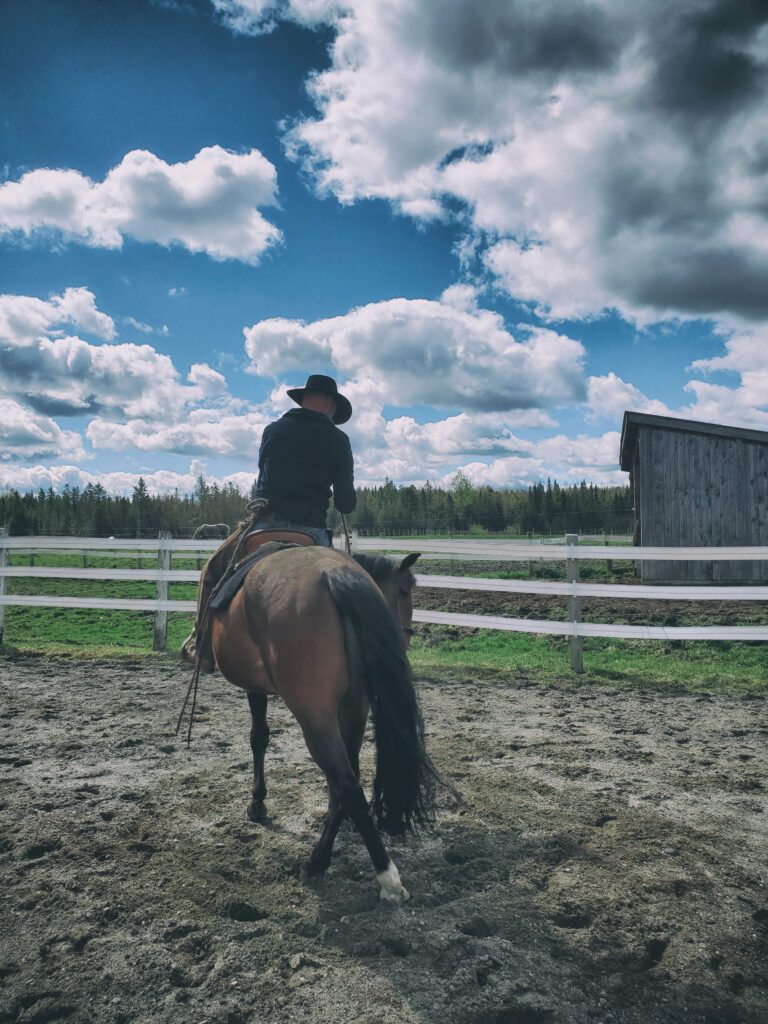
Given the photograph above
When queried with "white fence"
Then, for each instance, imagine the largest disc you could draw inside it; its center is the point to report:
(161, 574)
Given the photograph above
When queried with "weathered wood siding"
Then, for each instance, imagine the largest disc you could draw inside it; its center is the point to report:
(698, 489)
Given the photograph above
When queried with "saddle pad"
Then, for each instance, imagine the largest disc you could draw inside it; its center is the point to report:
(227, 588)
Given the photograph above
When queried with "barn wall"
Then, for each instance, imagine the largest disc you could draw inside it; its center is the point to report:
(699, 489)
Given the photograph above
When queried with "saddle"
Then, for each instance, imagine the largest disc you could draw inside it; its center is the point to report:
(257, 538)
(255, 546)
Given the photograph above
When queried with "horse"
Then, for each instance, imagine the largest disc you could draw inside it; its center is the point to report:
(211, 531)
(329, 634)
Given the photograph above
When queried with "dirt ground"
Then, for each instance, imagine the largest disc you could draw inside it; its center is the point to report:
(609, 863)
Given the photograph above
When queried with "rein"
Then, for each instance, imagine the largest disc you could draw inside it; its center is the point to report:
(254, 507)
(346, 534)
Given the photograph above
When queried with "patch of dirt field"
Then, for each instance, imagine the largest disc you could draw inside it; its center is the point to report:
(609, 863)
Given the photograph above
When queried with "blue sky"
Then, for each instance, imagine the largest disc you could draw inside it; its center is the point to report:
(498, 226)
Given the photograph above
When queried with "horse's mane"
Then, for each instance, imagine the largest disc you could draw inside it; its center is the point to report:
(380, 567)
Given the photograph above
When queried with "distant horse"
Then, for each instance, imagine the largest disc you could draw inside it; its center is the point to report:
(329, 635)
(211, 531)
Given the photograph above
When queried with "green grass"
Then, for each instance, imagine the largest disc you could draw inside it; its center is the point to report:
(694, 665)
(691, 665)
(84, 632)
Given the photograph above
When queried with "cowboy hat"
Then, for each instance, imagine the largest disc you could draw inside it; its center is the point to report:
(326, 386)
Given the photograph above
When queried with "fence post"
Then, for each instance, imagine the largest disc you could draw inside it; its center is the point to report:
(3, 563)
(575, 644)
(609, 561)
(160, 642)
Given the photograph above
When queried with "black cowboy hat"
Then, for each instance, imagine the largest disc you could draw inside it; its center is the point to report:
(327, 386)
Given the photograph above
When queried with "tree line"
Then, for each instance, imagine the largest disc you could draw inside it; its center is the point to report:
(541, 509)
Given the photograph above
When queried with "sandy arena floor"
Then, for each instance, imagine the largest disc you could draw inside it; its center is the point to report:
(610, 862)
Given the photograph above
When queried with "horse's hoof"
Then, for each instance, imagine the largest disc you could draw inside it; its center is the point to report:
(392, 889)
(312, 869)
(395, 898)
(257, 813)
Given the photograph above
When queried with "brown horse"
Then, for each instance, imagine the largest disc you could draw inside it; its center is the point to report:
(329, 635)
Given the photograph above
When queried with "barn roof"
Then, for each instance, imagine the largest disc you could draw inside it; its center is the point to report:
(634, 420)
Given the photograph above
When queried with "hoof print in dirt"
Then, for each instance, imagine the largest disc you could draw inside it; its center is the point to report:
(239, 910)
(38, 850)
(179, 978)
(477, 926)
(461, 852)
(654, 951)
(42, 1007)
(572, 916)
(397, 945)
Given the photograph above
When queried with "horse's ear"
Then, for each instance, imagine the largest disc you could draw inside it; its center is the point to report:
(408, 561)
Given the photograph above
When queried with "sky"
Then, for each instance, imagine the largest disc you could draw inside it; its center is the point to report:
(498, 224)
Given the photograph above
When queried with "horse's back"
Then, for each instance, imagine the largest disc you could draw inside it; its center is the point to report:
(282, 632)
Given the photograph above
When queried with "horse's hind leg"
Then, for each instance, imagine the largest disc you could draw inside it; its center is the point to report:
(257, 702)
(329, 753)
(320, 858)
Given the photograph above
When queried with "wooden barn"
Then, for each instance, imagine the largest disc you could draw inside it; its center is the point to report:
(697, 484)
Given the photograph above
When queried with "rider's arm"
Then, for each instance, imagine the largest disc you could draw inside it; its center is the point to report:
(344, 497)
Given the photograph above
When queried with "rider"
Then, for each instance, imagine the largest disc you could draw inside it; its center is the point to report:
(303, 458)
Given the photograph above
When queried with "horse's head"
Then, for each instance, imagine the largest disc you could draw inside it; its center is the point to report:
(396, 582)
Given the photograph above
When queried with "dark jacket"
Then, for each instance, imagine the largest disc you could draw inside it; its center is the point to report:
(302, 457)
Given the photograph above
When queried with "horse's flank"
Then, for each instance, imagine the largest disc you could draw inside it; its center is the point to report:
(283, 626)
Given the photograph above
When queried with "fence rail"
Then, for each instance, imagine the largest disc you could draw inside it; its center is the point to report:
(571, 553)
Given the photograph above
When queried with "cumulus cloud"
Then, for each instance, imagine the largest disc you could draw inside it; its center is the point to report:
(604, 155)
(24, 318)
(422, 351)
(32, 478)
(202, 432)
(209, 204)
(567, 459)
(741, 405)
(745, 404)
(27, 435)
(258, 17)
(59, 374)
(609, 396)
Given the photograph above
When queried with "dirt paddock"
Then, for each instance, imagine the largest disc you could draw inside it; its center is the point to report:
(609, 862)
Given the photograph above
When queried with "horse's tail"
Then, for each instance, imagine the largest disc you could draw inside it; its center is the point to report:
(404, 784)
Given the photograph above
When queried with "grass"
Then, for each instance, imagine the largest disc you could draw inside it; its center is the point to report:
(692, 665)
(695, 666)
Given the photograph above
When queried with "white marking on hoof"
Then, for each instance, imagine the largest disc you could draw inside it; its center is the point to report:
(392, 889)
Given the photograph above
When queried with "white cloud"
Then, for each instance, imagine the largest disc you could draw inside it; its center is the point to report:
(610, 396)
(746, 404)
(258, 17)
(24, 318)
(741, 405)
(163, 481)
(605, 154)
(208, 204)
(60, 374)
(27, 435)
(208, 381)
(143, 328)
(207, 432)
(566, 459)
(422, 351)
